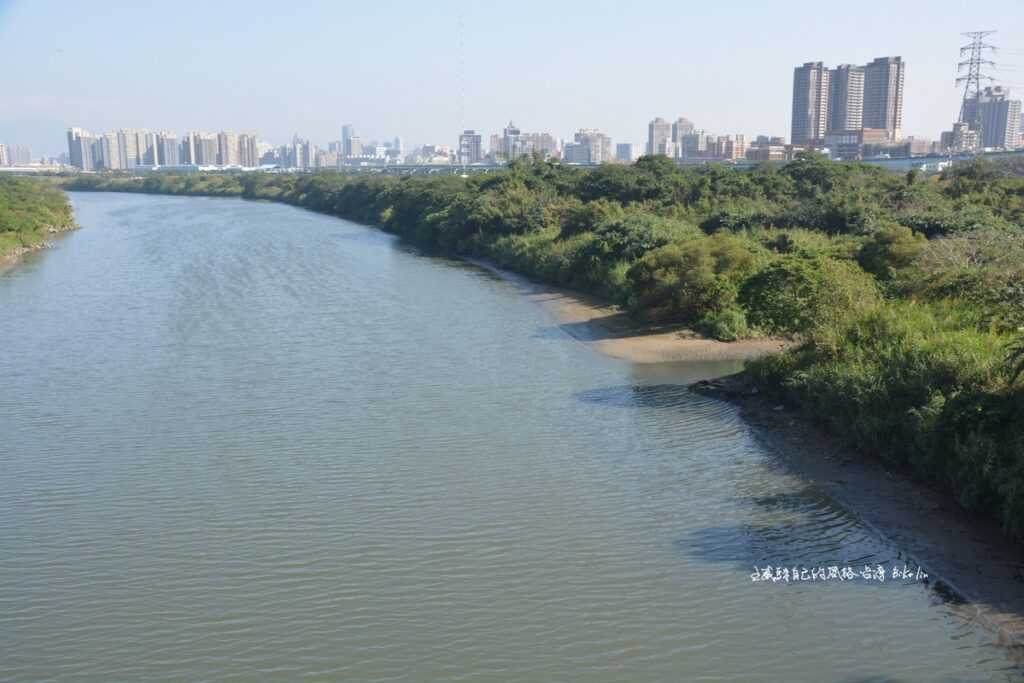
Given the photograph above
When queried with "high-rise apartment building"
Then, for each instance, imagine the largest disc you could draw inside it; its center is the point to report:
(354, 147)
(19, 155)
(137, 147)
(511, 145)
(730, 147)
(845, 98)
(470, 147)
(589, 146)
(80, 149)
(248, 152)
(128, 147)
(543, 144)
(148, 155)
(883, 95)
(810, 103)
(205, 149)
(348, 132)
(3, 155)
(659, 134)
(109, 156)
(168, 151)
(680, 127)
(694, 145)
(1000, 117)
(187, 153)
(227, 148)
(310, 154)
(576, 153)
(495, 150)
(626, 151)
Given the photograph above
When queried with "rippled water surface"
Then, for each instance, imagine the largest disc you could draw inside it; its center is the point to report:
(244, 442)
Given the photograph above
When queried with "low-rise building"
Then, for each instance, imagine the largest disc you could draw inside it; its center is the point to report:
(851, 144)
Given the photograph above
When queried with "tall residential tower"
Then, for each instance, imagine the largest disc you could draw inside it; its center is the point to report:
(659, 137)
(883, 95)
(846, 98)
(810, 103)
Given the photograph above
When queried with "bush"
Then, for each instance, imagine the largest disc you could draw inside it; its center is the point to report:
(889, 250)
(684, 282)
(577, 217)
(808, 296)
(779, 296)
(727, 325)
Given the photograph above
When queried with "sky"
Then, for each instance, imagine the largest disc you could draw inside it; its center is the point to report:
(426, 69)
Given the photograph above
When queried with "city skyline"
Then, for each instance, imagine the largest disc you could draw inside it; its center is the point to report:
(848, 111)
(402, 67)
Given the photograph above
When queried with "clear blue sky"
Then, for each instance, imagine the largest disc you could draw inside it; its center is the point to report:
(392, 68)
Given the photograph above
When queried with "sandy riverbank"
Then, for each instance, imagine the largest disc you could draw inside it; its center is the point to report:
(610, 331)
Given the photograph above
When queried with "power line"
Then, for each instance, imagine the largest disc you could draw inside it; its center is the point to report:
(970, 107)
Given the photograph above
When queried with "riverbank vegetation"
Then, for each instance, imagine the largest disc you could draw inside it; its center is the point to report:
(29, 211)
(906, 293)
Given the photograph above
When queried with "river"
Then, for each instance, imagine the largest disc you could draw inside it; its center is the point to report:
(241, 441)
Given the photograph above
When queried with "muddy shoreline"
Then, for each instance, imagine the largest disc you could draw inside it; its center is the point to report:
(971, 563)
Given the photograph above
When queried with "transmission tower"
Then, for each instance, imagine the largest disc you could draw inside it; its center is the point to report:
(971, 78)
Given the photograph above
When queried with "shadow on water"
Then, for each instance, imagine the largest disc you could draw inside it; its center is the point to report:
(805, 528)
(807, 500)
(638, 396)
(611, 326)
(796, 543)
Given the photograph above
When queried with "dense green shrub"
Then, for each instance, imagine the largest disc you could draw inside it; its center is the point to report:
(687, 281)
(577, 216)
(889, 250)
(914, 386)
(779, 296)
(729, 324)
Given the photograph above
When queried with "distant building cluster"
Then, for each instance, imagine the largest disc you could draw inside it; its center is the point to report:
(858, 108)
(992, 120)
(15, 155)
(850, 111)
(130, 148)
(587, 146)
(514, 143)
(856, 112)
(682, 140)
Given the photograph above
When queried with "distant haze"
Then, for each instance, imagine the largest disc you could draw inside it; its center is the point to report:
(396, 68)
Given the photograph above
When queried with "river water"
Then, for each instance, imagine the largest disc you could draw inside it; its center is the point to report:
(244, 442)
